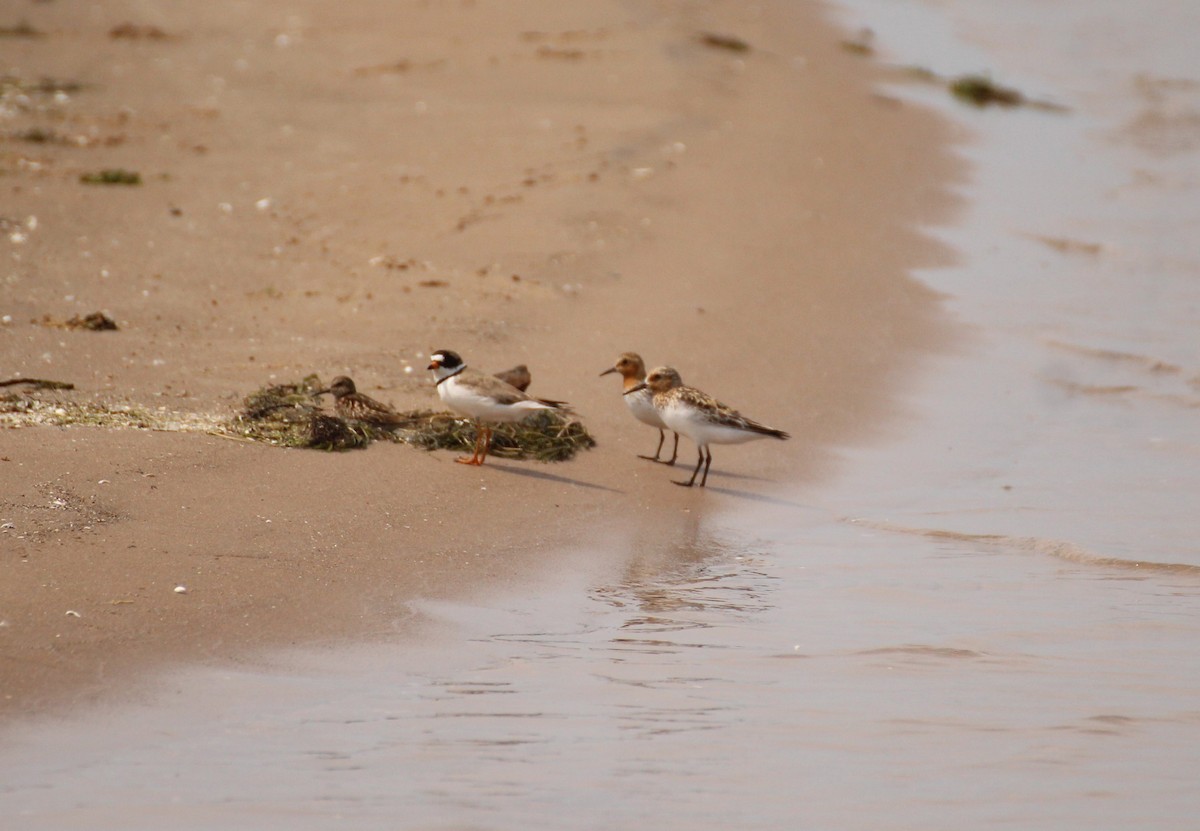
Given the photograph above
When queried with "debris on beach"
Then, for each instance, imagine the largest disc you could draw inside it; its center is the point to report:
(976, 89)
(981, 91)
(13, 86)
(727, 42)
(38, 383)
(21, 30)
(547, 436)
(1066, 245)
(112, 176)
(44, 135)
(133, 31)
(861, 44)
(289, 415)
(94, 322)
(38, 135)
(24, 409)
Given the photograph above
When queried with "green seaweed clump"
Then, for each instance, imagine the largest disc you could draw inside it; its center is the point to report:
(288, 415)
(94, 322)
(38, 135)
(982, 91)
(727, 42)
(860, 44)
(21, 30)
(112, 176)
(547, 436)
(18, 410)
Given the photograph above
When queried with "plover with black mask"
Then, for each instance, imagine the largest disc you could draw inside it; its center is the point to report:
(483, 398)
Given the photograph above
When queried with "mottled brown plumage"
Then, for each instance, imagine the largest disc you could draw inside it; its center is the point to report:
(353, 405)
(701, 418)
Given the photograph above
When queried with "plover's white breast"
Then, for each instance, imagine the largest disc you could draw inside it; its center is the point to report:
(475, 401)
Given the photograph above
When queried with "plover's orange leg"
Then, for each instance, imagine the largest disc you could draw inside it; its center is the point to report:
(487, 443)
(474, 458)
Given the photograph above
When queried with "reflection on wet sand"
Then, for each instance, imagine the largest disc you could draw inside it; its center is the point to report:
(697, 572)
(669, 690)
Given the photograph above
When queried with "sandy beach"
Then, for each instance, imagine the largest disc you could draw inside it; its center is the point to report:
(965, 593)
(343, 190)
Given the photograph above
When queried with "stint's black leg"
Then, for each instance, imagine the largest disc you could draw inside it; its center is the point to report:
(661, 437)
(707, 465)
(692, 481)
(675, 452)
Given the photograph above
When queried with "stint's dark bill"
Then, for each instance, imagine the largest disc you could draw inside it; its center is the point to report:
(700, 417)
(640, 403)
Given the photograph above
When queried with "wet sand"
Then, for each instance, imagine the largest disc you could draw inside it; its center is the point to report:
(344, 190)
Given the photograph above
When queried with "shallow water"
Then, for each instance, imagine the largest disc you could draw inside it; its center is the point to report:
(833, 676)
(1072, 421)
(988, 620)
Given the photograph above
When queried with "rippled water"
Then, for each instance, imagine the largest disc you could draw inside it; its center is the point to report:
(833, 677)
(989, 620)
(1071, 422)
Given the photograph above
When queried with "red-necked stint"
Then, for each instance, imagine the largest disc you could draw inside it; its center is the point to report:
(700, 417)
(640, 403)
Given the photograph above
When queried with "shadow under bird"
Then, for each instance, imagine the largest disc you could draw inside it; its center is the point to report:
(352, 405)
(641, 402)
(485, 399)
(700, 417)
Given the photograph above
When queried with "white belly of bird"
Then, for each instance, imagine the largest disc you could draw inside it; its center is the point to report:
(690, 422)
(463, 399)
(641, 404)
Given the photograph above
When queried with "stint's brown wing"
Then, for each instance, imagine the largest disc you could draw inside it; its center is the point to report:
(723, 414)
(361, 407)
